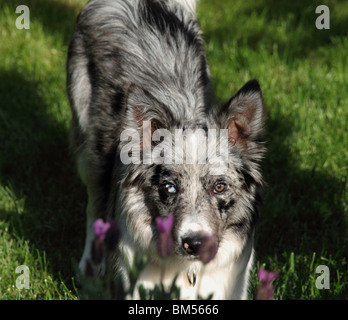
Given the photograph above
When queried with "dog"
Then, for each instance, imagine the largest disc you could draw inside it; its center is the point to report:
(140, 65)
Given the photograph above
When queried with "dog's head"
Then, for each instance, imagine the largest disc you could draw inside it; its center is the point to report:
(203, 168)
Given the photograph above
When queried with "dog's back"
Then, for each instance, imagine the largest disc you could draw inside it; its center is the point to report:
(154, 45)
(132, 61)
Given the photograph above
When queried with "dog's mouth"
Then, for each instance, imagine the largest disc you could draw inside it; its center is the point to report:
(196, 248)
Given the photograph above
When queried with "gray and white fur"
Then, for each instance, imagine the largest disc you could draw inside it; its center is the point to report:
(136, 60)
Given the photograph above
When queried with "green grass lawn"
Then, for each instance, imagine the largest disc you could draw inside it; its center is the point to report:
(304, 76)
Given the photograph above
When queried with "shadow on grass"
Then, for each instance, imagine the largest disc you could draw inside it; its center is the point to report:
(302, 216)
(35, 161)
(303, 209)
(36, 166)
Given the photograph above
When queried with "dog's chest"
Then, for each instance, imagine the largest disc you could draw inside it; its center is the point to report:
(204, 284)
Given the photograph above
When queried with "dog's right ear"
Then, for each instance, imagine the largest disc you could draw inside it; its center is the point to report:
(143, 112)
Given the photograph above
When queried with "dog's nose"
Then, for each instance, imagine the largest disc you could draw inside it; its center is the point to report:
(192, 243)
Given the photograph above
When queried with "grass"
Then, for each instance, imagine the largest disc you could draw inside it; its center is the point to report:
(304, 76)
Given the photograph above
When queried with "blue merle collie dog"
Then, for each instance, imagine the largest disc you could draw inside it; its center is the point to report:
(139, 67)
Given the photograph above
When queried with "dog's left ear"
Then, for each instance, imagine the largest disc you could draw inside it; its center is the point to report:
(243, 115)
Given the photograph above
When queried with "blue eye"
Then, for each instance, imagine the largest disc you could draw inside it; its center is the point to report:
(170, 188)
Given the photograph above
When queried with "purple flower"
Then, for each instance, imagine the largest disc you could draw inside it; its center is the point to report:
(100, 228)
(165, 240)
(267, 276)
(105, 236)
(165, 225)
(208, 248)
(265, 288)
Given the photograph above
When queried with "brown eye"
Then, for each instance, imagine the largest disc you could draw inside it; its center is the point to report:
(219, 187)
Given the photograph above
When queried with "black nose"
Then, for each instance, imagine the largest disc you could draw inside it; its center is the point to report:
(192, 243)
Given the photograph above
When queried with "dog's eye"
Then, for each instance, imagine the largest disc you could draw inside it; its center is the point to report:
(219, 187)
(170, 188)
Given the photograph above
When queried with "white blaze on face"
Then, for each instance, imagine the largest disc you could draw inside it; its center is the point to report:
(190, 225)
(195, 146)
